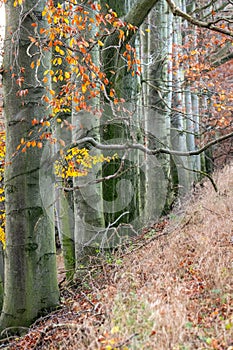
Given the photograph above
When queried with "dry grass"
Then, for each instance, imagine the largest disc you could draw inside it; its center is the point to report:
(175, 292)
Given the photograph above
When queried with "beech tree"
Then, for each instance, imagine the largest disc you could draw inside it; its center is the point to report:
(30, 258)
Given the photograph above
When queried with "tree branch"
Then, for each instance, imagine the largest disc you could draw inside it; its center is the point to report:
(130, 146)
(139, 11)
(178, 12)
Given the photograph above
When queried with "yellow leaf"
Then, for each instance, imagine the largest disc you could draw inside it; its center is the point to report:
(194, 52)
(32, 65)
(108, 347)
(115, 330)
(100, 43)
(59, 60)
(67, 75)
(84, 88)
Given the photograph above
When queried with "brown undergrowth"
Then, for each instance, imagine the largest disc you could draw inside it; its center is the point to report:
(172, 288)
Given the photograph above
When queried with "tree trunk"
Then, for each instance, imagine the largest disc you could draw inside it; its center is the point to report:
(30, 264)
(64, 209)
(122, 195)
(178, 135)
(157, 118)
(88, 201)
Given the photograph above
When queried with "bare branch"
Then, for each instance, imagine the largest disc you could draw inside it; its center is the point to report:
(130, 146)
(178, 12)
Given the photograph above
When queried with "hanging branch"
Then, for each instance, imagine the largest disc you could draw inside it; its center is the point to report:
(138, 146)
(209, 25)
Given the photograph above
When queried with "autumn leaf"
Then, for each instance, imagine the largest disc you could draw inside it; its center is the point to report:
(100, 43)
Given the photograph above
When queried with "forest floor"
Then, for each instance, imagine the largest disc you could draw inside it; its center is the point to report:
(171, 288)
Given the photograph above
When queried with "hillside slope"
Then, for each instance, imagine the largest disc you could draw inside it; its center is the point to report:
(172, 288)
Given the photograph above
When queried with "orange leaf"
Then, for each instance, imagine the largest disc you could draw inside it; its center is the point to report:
(42, 30)
(46, 99)
(62, 143)
(111, 94)
(34, 121)
(45, 80)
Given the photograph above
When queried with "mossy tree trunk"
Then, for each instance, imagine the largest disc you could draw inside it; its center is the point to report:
(30, 259)
(121, 124)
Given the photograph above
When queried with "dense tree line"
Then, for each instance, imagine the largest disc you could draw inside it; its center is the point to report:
(112, 111)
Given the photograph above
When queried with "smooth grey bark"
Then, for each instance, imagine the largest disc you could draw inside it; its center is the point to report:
(191, 105)
(158, 116)
(30, 259)
(178, 135)
(64, 201)
(88, 201)
(64, 210)
(196, 119)
(190, 134)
